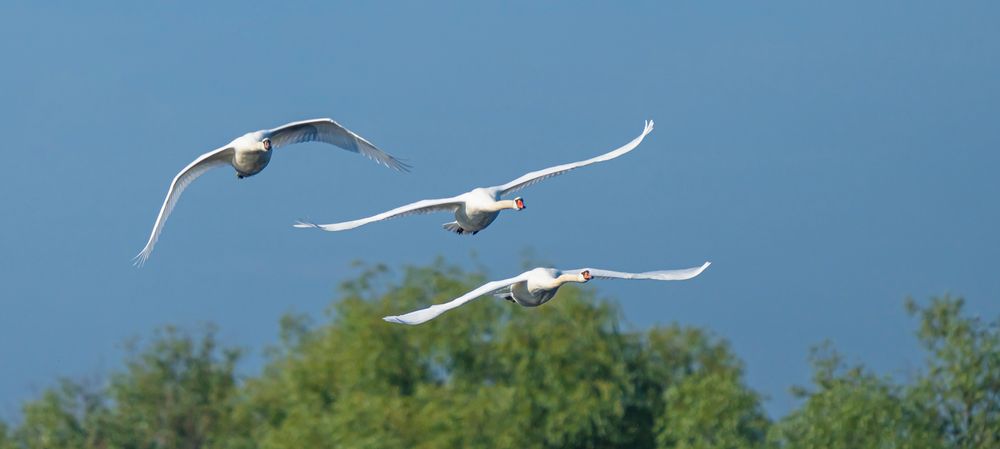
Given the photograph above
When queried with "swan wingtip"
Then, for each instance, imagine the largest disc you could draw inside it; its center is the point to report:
(304, 224)
(402, 166)
(140, 259)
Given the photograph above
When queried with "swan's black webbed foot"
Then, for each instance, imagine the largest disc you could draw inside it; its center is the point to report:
(239, 176)
(475, 232)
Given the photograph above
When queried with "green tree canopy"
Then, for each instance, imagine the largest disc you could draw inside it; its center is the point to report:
(850, 407)
(960, 391)
(954, 403)
(491, 374)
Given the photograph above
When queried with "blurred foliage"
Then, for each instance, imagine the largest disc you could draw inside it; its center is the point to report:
(954, 403)
(850, 408)
(5, 442)
(495, 375)
(960, 392)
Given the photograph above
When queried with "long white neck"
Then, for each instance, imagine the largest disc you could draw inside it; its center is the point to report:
(568, 278)
(498, 206)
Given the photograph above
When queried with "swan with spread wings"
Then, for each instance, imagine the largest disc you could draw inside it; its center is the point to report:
(251, 152)
(476, 209)
(536, 287)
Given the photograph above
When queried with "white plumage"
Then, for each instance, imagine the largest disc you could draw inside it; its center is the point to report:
(476, 209)
(536, 287)
(251, 152)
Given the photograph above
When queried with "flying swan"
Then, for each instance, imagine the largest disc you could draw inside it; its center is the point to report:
(536, 287)
(251, 152)
(475, 210)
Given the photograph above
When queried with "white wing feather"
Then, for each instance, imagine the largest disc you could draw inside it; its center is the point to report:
(329, 131)
(195, 169)
(419, 207)
(424, 315)
(536, 176)
(663, 275)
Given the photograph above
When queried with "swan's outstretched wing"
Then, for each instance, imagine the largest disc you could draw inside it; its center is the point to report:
(328, 131)
(423, 315)
(195, 169)
(536, 176)
(663, 275)
(419, 207)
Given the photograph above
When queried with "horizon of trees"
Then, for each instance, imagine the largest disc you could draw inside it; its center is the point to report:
(564, 375)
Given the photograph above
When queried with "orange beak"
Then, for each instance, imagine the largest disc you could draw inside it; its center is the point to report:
(519, 202)
(586, 275)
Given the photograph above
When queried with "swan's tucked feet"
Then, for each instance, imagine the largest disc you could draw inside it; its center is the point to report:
(239, 176)
(460, 231)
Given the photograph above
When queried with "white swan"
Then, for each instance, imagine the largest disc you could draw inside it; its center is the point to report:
(536, 287)
(251, 152)
(475, 210)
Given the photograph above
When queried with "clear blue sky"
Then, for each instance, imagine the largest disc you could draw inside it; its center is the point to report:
(829, 159)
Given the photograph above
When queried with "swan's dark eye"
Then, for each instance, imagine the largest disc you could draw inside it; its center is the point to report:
(267, 144)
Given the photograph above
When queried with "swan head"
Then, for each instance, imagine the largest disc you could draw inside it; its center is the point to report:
(266, 143)
(519, 203)
(585, 276)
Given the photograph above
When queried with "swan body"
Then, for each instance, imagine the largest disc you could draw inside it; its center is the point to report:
(538, 286)
(478, 208)
(250, 153)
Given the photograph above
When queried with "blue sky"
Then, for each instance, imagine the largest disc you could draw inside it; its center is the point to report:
(830, 160)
